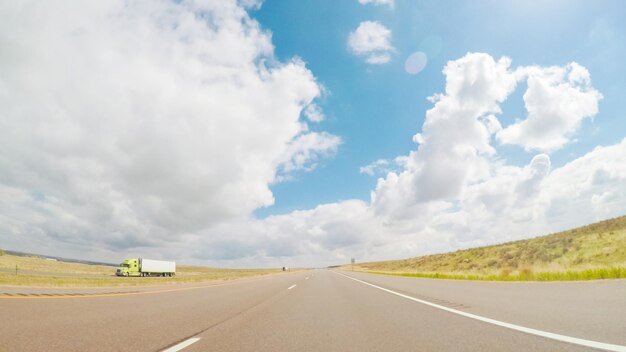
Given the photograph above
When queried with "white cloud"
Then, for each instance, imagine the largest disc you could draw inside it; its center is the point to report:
(588, 188)
(304, 150)
(378, 59)
(130, 125)
(383, 166)
(455, 138)
(373, 41)
(390, 3)
(314, 113)
(557, 100)
(376, 167)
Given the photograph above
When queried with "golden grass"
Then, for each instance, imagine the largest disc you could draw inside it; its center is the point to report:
(38, 264)
(594, 251)
(36, 271)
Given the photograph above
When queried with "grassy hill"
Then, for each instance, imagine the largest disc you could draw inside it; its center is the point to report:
(594, 251)
(36, 270)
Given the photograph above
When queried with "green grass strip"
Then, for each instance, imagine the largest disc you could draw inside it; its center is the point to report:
(589, 274)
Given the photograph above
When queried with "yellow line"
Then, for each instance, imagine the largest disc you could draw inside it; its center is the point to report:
(109, 294)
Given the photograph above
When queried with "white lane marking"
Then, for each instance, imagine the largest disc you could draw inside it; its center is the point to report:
(182, 345)
(306, 278)
(558, 337)
(292, 286)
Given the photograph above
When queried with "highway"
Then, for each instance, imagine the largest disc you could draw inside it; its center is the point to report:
(319, 310)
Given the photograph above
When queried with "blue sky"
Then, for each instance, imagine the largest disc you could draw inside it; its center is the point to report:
(303, 133)
(378, 108)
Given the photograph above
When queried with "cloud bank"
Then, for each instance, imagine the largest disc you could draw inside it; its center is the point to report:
(131, 124)
(454, 190)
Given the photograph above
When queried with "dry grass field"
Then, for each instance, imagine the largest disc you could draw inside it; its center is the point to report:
(595, 251)
(37, 271)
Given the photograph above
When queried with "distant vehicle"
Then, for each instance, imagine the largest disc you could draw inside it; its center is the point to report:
(146, 267)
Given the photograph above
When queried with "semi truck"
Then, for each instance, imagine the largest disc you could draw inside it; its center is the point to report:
(146, 267)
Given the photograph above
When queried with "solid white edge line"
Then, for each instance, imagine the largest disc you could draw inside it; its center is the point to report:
(553, 336)
(182, 345)
(292, 286)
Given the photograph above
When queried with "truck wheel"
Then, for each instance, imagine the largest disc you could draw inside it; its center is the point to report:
(127, 274)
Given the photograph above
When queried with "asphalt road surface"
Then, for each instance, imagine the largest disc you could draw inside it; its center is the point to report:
(320, 310)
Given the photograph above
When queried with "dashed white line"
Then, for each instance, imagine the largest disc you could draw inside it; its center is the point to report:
(292, 286)
(182, 345)
(306, 278)
(558, 337)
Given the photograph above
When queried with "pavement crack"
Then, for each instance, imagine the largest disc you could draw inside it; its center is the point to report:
(225, 320)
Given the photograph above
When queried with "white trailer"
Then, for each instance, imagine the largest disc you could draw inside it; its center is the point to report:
(158, 267)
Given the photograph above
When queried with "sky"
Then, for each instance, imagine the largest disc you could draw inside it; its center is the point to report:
(306, 133)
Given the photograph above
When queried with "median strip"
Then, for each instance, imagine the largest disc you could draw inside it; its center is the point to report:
(549, 335)
(118, 294)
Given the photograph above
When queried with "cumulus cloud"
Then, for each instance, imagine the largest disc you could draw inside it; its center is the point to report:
(371, 40)
(557, 100)
(590, 187)
(128, 125)
(454, 144)
(389, 3)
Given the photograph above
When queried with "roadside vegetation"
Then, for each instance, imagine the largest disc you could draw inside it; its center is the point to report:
(38, 271)
(595, 251)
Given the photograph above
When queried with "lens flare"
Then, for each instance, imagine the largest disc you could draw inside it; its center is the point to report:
(415, 63)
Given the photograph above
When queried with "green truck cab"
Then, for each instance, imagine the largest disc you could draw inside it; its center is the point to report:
(146, 267)
(129, 267)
